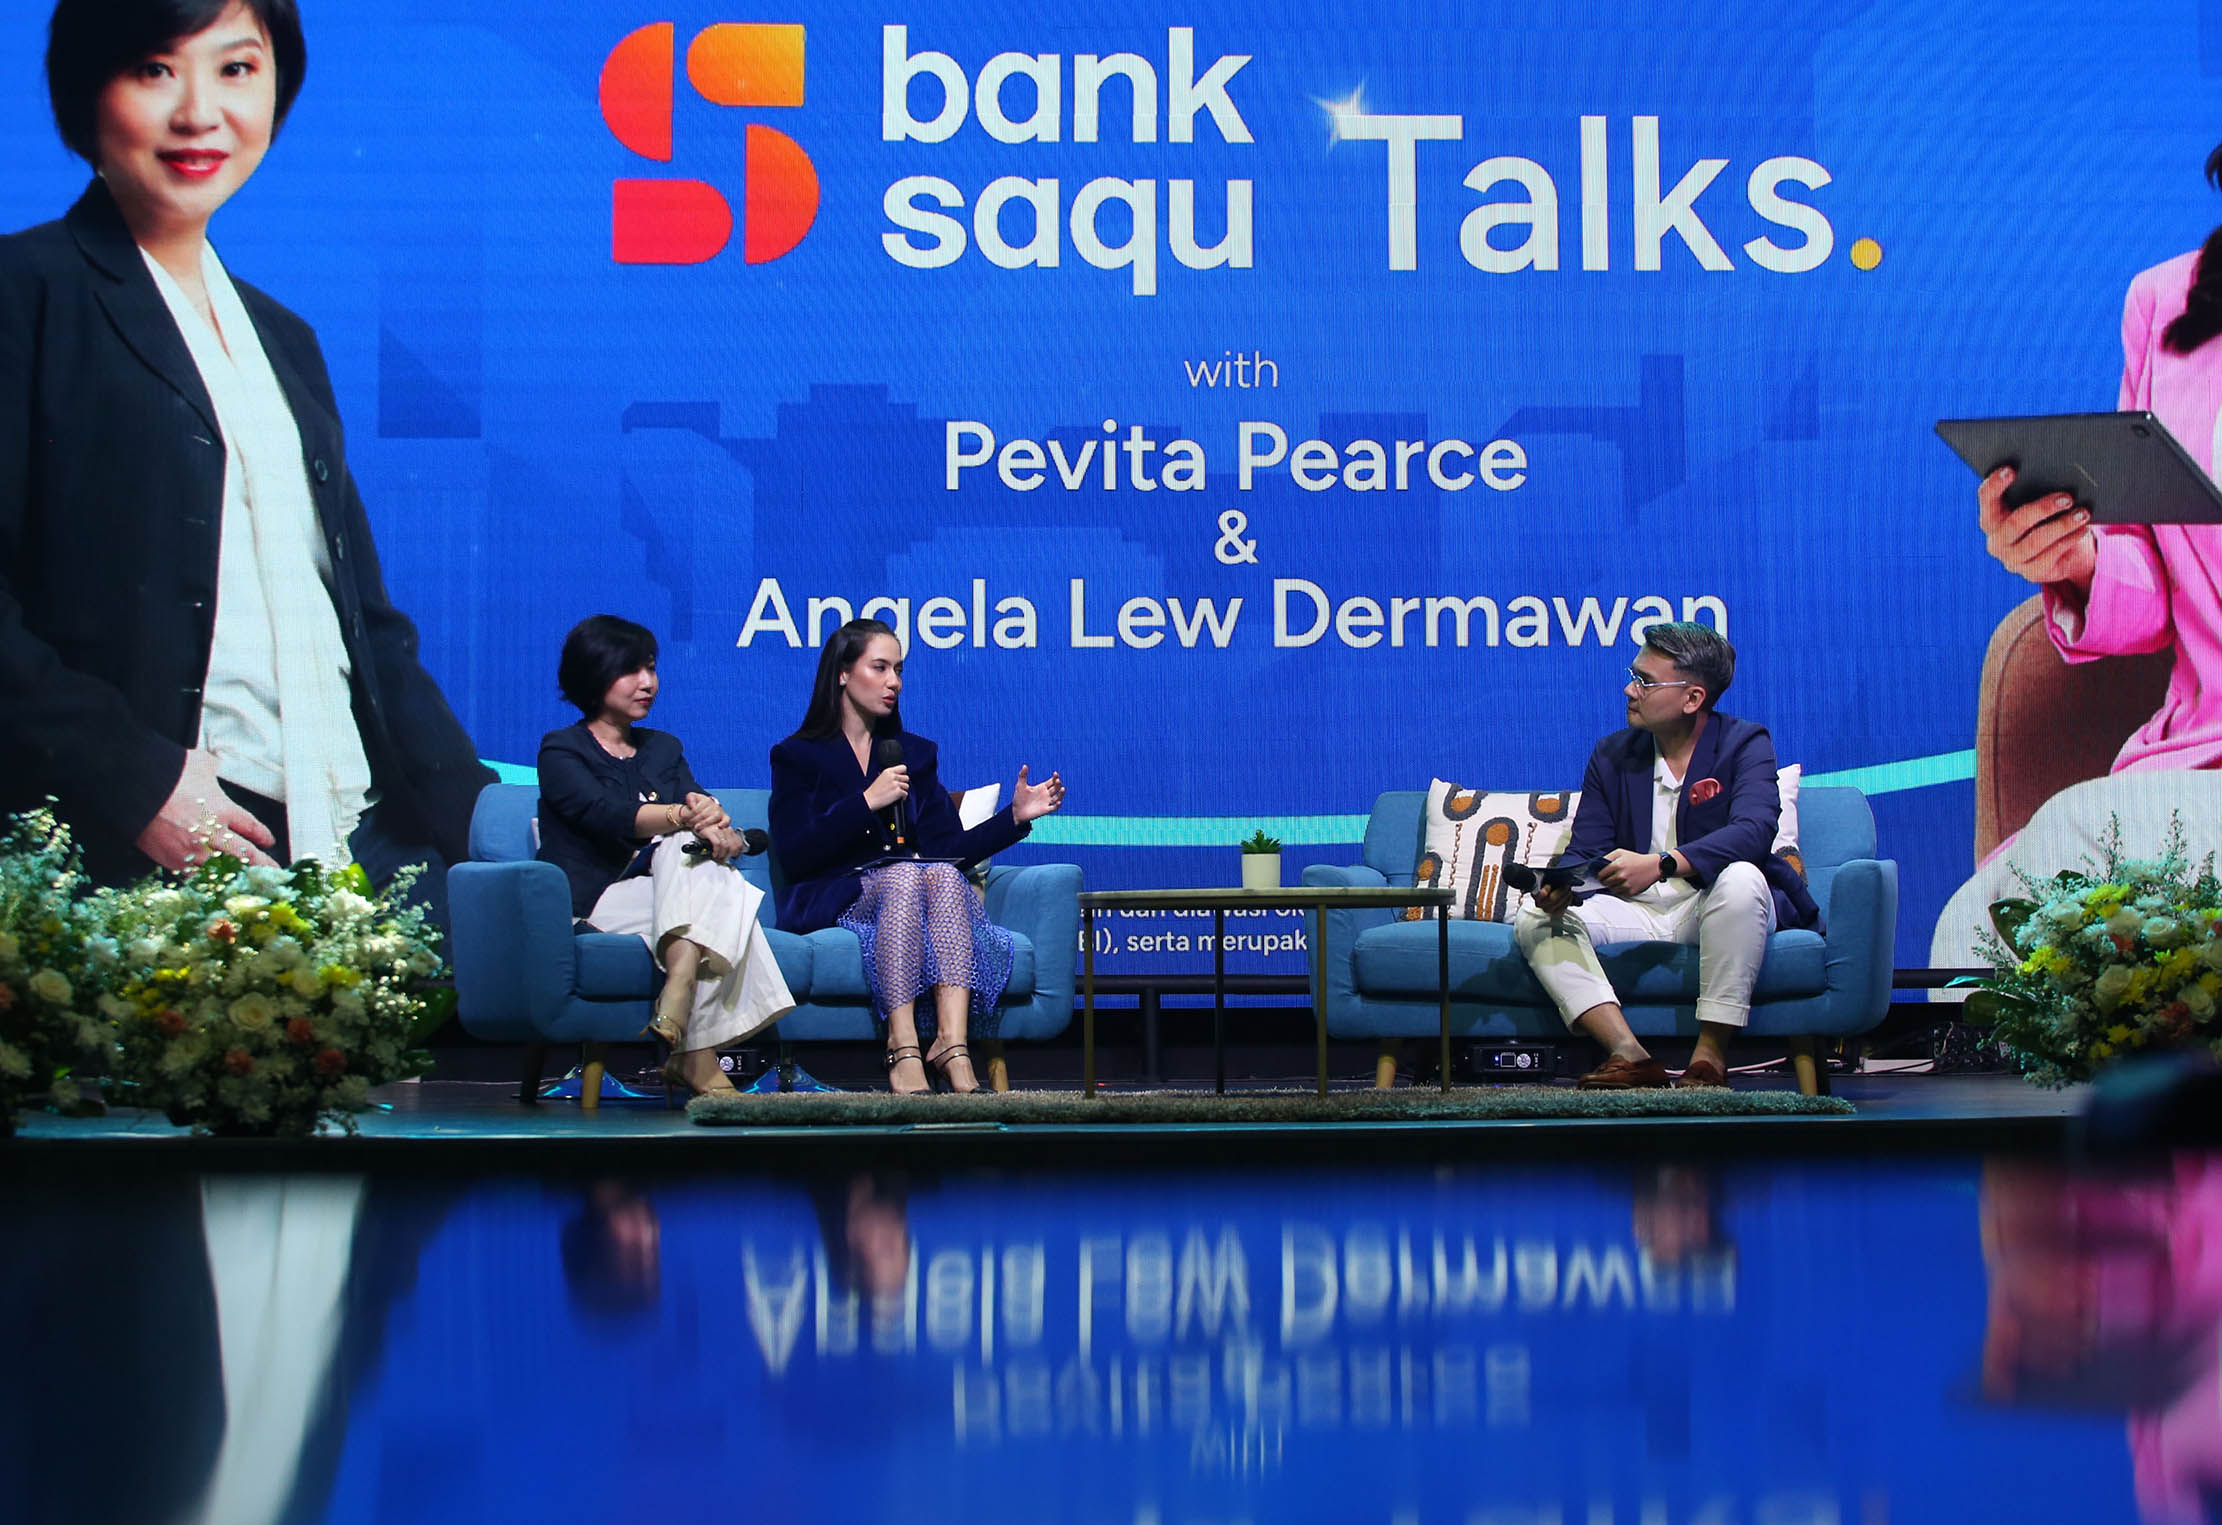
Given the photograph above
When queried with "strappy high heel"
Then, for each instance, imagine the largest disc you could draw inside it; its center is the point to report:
(896, 1056)
(671, 1062)
(940, 1066)
(666, 1035)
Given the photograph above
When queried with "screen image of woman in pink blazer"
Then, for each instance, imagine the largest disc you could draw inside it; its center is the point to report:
(2121, 589)
(868, 840)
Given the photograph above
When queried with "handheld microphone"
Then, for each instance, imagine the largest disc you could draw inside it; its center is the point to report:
(889, 754)
(753, 841)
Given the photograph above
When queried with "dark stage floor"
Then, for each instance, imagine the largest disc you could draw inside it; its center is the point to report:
(481, 1312)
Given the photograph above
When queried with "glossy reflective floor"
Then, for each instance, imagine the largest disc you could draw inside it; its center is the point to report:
(1641, 1344)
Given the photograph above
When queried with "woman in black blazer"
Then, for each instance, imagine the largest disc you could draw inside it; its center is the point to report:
(852, 794)
(618, 807)
(156, 419)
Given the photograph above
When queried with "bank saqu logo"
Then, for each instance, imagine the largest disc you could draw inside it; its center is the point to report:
(684, 222)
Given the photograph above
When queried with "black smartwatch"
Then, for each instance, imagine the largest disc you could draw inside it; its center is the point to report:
(1667, 869)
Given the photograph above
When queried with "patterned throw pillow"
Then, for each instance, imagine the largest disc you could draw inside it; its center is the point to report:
(1468, 837)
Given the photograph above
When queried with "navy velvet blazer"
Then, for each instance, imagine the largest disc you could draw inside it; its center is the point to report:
(1736, 825)
(588, 807)
(824, 834)
(111, 493)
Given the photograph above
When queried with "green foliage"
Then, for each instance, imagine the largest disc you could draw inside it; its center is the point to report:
(1259, 842)
(268, 999)
(50, 1032)
(2092, 965)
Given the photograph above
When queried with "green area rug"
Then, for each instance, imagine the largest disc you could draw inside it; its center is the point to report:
(820, 1109)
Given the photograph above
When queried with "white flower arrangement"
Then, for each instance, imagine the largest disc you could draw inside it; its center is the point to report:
(251, 999)
(51, 1029)
(2093, 965)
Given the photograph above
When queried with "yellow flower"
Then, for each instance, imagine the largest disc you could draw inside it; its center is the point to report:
(2118, 1033)
(340, 976)
(2101, 1050)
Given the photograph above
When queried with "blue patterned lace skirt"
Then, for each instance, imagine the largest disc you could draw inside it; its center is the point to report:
(922, 925)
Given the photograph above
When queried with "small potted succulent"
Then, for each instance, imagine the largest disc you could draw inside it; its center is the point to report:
(1261, 862)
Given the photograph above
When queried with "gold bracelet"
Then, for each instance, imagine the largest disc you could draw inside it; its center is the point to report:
(672, 817)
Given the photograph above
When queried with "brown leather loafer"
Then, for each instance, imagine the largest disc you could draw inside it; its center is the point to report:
(1618, 1074)
(1703, 1074)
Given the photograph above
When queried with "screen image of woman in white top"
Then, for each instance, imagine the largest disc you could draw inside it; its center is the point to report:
(196, 646)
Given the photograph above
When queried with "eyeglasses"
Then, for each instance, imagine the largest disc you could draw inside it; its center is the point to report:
(1635, 676)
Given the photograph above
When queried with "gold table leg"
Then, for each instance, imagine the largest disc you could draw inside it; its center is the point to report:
(1319, 989)
(1442, 986)
(1088, 1001)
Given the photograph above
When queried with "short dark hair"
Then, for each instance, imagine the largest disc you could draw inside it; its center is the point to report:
(842, 648)
(90, 42)
(1697, 650)
(599, 650)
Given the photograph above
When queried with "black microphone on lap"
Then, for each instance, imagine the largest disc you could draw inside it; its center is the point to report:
(889, 754)
(753, 841)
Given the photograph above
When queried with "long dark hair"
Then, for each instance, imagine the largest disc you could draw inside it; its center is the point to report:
(2201, 318)
(842, 649)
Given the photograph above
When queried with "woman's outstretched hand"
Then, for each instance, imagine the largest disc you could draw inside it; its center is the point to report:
(2047, 540)
(1031, 800)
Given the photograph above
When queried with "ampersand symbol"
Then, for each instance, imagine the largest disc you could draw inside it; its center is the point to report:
(1232, 549)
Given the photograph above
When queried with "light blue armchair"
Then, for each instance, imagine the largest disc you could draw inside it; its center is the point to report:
(524, 975)
(1381, 972)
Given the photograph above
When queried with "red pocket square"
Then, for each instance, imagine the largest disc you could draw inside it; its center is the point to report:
(1703, 790)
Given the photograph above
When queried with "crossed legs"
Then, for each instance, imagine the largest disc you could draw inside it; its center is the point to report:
(698, 1067)
(1730, 921)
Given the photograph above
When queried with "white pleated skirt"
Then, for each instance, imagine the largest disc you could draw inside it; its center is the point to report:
(739, 990)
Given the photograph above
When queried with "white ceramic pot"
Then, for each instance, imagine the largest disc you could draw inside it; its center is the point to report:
(1261, 871)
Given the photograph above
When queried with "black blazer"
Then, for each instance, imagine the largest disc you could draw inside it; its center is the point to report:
(824, 833)
(588, 808)
(111, 489)
(1735, 824)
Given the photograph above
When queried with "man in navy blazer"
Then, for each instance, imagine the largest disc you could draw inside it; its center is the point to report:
(1679, 812)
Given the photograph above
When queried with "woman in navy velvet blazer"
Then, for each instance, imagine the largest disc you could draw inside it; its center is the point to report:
(618, 807)
(838, 796)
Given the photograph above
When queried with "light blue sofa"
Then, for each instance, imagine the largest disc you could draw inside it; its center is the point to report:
(1381, 972)
(523, 975)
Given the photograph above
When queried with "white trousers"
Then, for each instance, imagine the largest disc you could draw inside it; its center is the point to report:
(1729, 920)
(2065, 833)
(738, 991)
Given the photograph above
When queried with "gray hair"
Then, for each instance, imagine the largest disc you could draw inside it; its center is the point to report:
(1698, 651)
